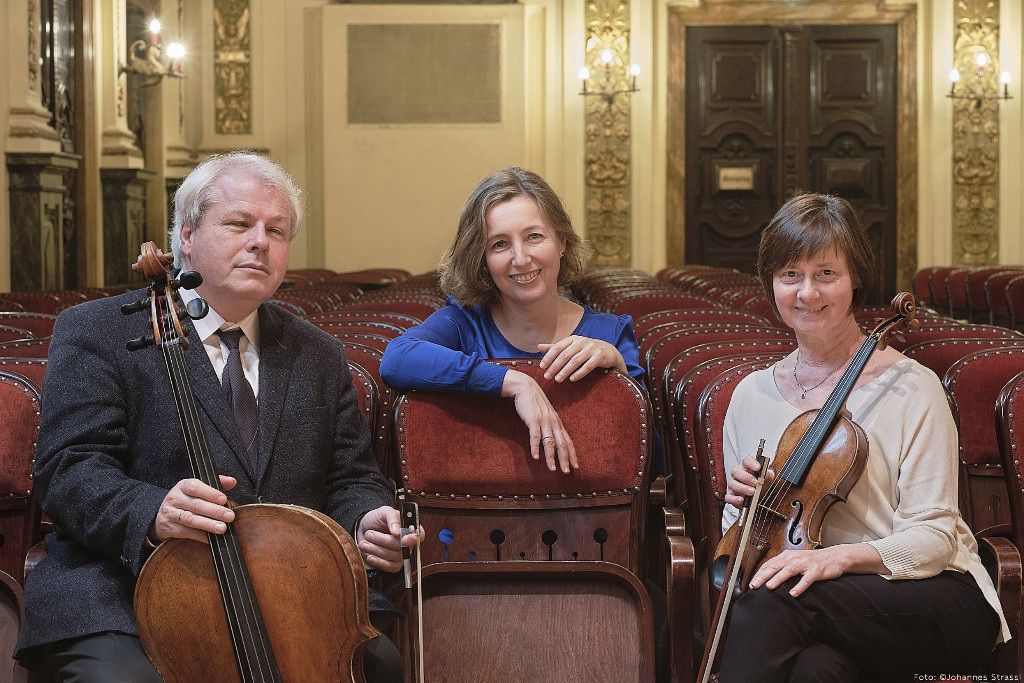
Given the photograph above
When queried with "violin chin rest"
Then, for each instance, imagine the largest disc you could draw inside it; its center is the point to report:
(717, 575)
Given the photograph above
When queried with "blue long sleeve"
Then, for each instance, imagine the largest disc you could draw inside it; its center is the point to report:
(448, 351)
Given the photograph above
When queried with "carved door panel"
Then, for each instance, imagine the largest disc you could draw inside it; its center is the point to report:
(776, 111)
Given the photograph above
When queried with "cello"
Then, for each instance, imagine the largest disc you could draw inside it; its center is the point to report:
(281, 595)
(819, 459)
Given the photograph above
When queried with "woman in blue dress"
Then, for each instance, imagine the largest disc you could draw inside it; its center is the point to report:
(515, 247)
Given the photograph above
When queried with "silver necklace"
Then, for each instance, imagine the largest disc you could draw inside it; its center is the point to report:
(805, 390)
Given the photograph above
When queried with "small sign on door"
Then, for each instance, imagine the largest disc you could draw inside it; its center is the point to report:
(735, 178)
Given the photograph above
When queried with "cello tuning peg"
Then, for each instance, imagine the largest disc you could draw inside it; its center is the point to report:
(188, 279)
(197, 308)
(134, 307)
(140, 343)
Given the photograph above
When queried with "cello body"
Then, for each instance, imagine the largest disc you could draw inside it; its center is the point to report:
(301, 562)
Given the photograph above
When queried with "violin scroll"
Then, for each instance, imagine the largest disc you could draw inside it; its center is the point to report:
(905, 308)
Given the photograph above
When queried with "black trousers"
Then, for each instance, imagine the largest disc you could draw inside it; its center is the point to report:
(118, 658)
(860, 627)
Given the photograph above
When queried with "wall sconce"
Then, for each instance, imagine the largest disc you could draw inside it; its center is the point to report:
(149, 61)
(977, 90)
(606, 89)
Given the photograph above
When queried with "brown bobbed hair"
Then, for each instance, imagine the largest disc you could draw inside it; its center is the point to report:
(808, 224)
(463, 269)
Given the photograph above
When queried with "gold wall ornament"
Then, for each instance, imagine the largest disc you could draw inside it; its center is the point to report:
(120, 32)
(976, 133)
(607, 133)
(33, 48)
(232, 68)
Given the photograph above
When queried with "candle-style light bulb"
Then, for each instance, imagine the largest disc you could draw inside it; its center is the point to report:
(606, 56)
(954, 76)
(584, 74)
(1004, 78)
(981, 60)
(154, 31)
(634, 71)
(176, 52)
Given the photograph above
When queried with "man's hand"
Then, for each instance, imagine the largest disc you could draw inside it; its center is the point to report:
(380, 539)
(192, 509)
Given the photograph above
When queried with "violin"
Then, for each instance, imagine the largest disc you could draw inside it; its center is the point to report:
(281, 595)
(820, 457)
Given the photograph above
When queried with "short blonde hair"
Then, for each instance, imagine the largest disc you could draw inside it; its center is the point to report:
(463, 268)
(199, 190)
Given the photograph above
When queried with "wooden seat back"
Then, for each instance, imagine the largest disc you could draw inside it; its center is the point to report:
(973, 384)
(466, 461)
(19, 515)
(510, 542)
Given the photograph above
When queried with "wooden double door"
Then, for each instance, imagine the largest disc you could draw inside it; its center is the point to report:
(774, 111)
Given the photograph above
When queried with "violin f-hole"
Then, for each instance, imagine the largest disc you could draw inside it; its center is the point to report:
(794, 539)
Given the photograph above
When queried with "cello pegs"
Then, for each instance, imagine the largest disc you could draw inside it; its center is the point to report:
(188, 279)
(140, 343)
(134, 307)
(197, 308)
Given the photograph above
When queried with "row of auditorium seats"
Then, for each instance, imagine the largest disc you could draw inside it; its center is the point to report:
(700, 330)
(989, 294)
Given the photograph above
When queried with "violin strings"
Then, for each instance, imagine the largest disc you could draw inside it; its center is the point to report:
(796, 464)
(252, 647)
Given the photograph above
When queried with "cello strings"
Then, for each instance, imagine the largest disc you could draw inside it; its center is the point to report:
(253, 656)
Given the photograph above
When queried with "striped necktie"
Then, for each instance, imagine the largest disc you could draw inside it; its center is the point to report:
(239, 394)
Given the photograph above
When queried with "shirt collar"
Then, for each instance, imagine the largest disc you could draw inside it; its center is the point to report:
(213, 322)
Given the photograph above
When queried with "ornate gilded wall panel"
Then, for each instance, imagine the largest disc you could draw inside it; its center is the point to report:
(33, 47)
(976, 134)
(607, 125)
(232, 68)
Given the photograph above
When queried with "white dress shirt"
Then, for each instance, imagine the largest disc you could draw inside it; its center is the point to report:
(208, 328)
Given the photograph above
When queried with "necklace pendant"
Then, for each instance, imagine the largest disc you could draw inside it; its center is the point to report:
(803, 396)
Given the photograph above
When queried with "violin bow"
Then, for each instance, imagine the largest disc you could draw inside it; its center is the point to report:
(411, 521)
(734, 567)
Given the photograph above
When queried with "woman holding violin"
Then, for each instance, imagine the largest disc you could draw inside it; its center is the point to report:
(897, 587)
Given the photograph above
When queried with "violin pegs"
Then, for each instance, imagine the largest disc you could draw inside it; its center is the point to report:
(140, 343)
(134, 307)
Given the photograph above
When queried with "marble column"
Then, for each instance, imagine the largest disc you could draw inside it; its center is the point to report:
(38, 189)
(124, 221)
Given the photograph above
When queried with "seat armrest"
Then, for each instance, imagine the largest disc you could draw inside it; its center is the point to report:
(680, 591)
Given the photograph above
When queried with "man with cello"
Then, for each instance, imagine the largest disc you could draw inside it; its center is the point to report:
(112, 470)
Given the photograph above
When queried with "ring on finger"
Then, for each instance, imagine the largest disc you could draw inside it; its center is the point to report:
(180, 513)
(545, 438)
